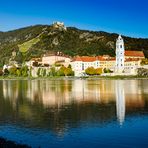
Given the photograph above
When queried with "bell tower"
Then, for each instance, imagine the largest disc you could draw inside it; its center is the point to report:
(120, 55)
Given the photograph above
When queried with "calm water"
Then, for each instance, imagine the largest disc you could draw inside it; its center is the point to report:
(75, 113)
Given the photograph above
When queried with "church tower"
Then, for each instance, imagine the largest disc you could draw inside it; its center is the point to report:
(120, 55)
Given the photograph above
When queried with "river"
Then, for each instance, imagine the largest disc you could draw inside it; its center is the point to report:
(75, 113)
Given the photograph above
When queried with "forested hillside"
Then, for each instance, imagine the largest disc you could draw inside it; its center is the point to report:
(35, 41)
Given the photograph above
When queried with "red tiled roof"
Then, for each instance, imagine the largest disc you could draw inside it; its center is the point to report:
(131, 54)
(134, 53)
(92, 59)
(102, 58)
(85, 59)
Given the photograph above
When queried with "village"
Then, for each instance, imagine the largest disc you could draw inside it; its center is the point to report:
(125, 63)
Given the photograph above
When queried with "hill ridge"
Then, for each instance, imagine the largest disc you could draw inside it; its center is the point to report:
(72, 42)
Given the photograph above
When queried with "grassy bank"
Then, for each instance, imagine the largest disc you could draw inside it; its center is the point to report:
(71, 77)
(117, 77)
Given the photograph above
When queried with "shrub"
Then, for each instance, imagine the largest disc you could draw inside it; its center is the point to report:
(107, 70)
(142, 72)
(1, 72)
(52, 71)
(12, 70)
(39, 72)
(6, 72)
(24, 71)
(90, 71)
(98, 71)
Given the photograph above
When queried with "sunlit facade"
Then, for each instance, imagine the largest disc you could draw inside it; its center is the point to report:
(126, 62)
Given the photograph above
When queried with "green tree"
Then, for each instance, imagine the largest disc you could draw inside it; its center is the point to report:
(107, 70)
(24, 71)
(1, 71)
(144, 62)
(90, 71)
(6, 71)
(68, 71)
(18, 72)
(52, 71)
(12, 70)
(69, 66)
(44, 72)
(98, 71)
(60, 72)
(39, 72)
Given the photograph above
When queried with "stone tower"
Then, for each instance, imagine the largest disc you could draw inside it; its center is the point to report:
(119, 55)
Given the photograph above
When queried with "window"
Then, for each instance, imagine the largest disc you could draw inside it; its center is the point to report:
(120, 46)
(82, 66)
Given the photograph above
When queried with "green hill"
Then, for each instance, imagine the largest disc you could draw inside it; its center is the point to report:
(34, 41)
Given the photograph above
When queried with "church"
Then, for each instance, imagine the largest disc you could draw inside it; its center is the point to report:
(125, 63)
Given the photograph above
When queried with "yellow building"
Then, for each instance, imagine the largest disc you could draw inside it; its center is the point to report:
(131, 63)
(125, 63)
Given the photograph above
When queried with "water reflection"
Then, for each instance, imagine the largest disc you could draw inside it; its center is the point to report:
(58, 104)
(120, 101)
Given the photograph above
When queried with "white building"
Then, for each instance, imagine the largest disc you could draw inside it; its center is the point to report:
(125, 62)
(119, 68)
(80, 64)
(51, 60)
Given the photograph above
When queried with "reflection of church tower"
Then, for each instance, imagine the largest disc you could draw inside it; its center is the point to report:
(119, 55)
(120, 101)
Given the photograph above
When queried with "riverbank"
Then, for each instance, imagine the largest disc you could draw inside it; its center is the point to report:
(10, 144)
(72, 78)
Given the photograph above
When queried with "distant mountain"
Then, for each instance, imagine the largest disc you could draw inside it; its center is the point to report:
(35, 41)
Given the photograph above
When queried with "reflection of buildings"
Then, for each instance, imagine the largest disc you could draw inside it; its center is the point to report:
(49, 93)
(120, 100)
(134, 94)
(98, 91)
(60, 104)
(128, 97)
(10, 91)
(66, 92)
(107, 94)
(59, 93)
(85, 91)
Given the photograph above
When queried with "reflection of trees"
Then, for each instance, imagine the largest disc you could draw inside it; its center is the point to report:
(10, 91)
(35, 115)
(34, 109)
(59, 105)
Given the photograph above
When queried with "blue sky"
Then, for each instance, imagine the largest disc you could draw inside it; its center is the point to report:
(127, 17)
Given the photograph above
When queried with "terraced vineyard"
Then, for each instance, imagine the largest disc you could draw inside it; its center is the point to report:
(27, 45)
